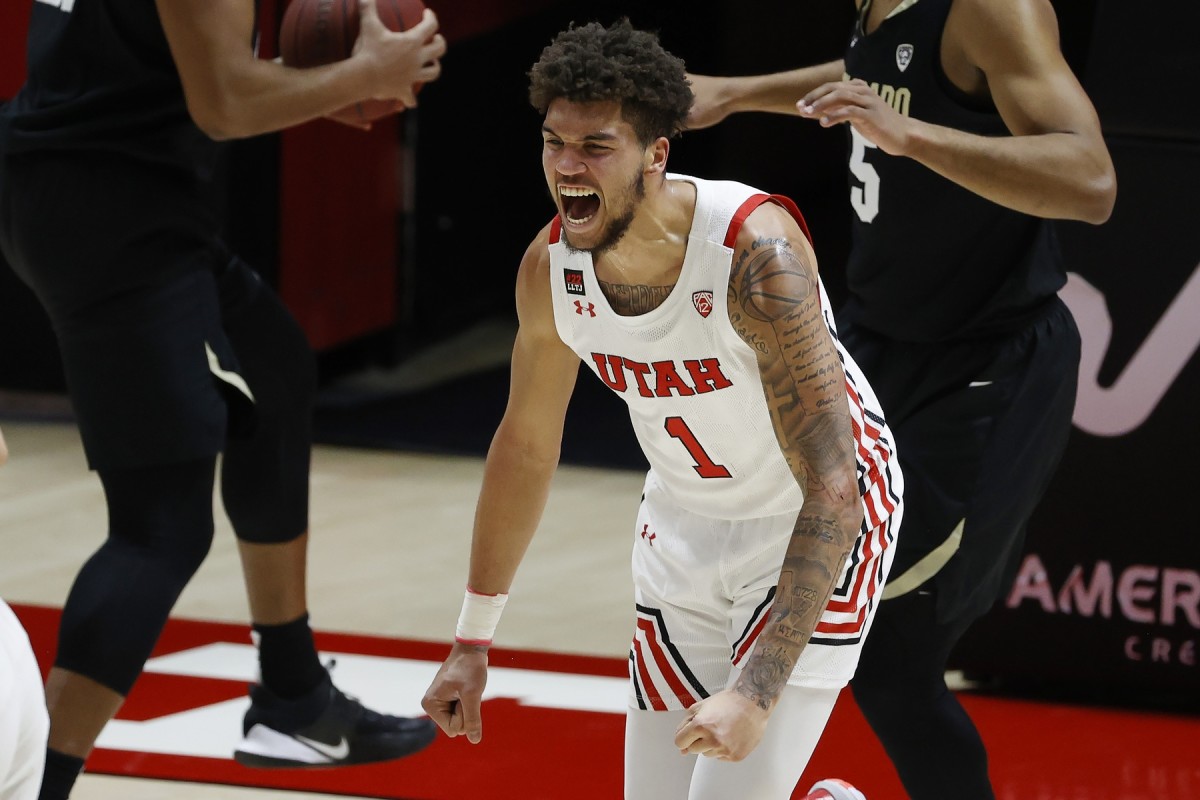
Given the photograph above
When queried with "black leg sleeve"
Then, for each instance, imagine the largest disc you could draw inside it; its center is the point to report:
(901, 689)
(160, 530)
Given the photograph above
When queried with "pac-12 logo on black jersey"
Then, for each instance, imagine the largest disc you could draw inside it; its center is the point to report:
(574, 281)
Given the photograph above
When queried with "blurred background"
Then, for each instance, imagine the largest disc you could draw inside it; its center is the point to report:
(397, 250)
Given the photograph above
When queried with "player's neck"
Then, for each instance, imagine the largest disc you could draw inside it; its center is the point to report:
(881, 10)
(656, 242)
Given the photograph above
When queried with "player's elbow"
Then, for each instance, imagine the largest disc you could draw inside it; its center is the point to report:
(221, 110)
(1097, 186)
(524, 449)
(1101, 196)
(215, 119)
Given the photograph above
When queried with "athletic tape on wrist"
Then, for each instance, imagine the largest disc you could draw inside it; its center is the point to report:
(479, 616)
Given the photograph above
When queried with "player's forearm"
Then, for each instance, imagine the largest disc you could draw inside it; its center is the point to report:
(516, 484)
(264, 96)
(230, 92)
(776, 93)
(1052, 175)
(819, 546)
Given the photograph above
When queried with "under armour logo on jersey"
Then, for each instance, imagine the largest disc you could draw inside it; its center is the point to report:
(703, 301)
(574, 281)
(904, 54)
(647, 535)
(580, 308)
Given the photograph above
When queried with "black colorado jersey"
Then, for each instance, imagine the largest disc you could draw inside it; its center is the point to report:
(101, 79)
(932, 261)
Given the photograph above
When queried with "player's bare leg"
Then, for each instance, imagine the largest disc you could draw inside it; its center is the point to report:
(276, 576)
(79, 709)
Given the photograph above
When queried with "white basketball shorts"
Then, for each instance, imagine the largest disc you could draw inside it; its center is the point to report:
(703, 589)
(24, 722)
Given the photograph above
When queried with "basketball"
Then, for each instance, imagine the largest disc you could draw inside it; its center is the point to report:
(318, 32)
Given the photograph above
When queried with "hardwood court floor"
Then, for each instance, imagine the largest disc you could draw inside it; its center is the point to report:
(390, 534)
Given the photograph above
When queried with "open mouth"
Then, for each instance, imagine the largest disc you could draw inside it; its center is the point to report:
(579, 203)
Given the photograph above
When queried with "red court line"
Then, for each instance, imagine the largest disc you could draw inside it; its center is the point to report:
(1038, 751)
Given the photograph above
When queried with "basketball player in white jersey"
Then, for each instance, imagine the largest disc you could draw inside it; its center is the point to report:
(24, 721)
(773, 499)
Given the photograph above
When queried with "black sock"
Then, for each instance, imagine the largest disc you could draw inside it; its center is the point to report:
(59, 777)
(287, 657)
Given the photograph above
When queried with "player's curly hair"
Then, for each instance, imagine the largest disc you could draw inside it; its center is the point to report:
(593, 63)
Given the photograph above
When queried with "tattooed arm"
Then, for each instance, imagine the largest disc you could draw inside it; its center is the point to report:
(774, 304)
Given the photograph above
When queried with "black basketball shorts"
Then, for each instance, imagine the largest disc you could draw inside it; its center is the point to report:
(980, 428)
(129, 269)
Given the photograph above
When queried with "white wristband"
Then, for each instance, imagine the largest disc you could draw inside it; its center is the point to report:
(479, 616)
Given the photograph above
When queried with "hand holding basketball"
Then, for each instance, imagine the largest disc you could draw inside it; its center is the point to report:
(396, 39)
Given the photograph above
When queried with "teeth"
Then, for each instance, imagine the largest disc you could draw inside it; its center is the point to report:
(577, 191)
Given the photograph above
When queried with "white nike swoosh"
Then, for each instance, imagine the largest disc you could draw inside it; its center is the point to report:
(974, 384)
(333, 753)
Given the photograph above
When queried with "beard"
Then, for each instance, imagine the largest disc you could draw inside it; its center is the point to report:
(619, 225)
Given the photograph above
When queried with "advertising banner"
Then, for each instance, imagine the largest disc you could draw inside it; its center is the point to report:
(1109, 588)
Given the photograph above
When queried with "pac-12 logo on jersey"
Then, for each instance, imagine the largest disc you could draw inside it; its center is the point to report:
(574, 281)
(904, 54)
(703, 301)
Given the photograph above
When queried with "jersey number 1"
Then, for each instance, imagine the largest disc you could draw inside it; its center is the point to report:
(704, 465)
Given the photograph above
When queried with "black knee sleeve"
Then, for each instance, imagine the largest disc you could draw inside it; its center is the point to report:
(160, 530)
(264, 475)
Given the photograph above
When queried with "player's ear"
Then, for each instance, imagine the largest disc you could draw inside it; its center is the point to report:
(655, 158)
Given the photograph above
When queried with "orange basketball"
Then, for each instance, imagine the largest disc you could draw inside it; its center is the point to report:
(317, 32)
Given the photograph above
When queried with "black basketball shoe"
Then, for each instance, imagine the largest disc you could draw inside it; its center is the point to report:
(326, 728)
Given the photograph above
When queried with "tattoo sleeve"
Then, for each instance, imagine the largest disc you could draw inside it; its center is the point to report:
(774, 304)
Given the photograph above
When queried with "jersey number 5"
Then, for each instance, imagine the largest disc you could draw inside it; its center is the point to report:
(864, 199)
(704, 465)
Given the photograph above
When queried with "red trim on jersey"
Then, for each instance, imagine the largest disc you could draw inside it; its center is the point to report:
(866, 571)
(862, 571)
(651, 693)
(877, 494)
(875, 477)
(753, 202)
(844, 627)
(664, 665)
(555, 229)
(758, 627)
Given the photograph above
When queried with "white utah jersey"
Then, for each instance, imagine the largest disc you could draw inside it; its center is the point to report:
(691, 383)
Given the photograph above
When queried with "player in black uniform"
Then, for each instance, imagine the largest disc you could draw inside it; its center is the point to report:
(968, 133)
(173, 348)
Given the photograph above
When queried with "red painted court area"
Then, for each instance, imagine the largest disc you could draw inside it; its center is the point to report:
(1038, 751)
